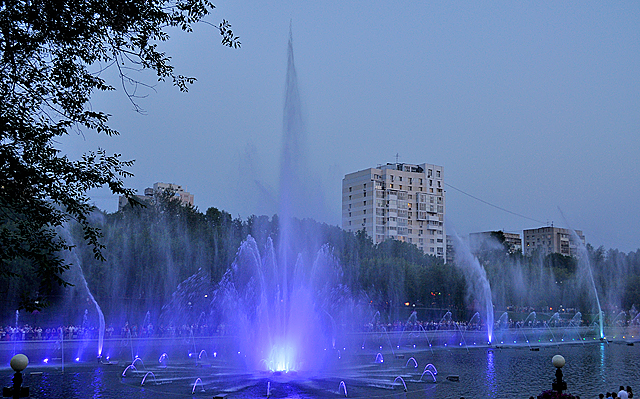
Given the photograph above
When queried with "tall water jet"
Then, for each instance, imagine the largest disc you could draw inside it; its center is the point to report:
(292, 186)
(288, 284)
(477, 282)
(88, 291)
(283, 295)
(584, 260)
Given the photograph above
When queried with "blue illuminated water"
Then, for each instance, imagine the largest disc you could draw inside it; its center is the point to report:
(483, 373)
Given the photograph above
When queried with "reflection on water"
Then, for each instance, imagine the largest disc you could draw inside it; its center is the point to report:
(515, 372)
(601, 356)
(490, 381)
(98, 383)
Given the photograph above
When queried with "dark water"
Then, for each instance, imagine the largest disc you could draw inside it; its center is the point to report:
(483, 373)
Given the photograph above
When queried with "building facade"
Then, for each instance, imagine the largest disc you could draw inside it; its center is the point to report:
(180, 193)
(397, 201)
(512, 240)
(551, 239)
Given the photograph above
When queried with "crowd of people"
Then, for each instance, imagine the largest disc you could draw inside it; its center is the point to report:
(621, 393)
(27, 332)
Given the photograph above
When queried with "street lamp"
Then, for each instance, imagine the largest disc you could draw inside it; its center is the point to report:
(558, 384)
(18, 363)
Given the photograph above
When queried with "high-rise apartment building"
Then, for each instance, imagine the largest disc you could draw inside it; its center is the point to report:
(551, 239)
(397, 201)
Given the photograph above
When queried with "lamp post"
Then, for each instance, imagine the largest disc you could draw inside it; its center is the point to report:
(558, 384)
(18, 363)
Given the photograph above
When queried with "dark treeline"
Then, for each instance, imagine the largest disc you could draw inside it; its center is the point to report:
(150, 250)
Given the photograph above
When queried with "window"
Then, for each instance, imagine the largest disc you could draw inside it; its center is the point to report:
(350, 189)
(365, 185)
(365, 203)
(365, 212)
(437, 173)
(420, 181)
(430, 173)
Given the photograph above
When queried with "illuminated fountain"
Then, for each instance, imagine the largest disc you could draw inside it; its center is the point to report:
(477, 282)
(284, 319)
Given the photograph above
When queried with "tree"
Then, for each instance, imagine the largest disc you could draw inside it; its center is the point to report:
(51, 56)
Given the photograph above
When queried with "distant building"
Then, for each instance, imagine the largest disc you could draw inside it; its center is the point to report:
(397, 201)
(547, 240)
(450, 250)
(181, 194)
(185, 197)
(512, 240)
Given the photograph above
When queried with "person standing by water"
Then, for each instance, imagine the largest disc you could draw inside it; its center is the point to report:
(622, 394)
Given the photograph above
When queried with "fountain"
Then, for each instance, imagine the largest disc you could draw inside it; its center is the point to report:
(83, 281)
(342, 387)
(402, 381)
(288, 319)
(195, 384)
(155, 381)
(478, 284)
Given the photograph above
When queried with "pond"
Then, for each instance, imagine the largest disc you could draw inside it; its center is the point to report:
(470, 372)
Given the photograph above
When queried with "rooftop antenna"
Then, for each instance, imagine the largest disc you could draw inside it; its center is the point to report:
(397, 157)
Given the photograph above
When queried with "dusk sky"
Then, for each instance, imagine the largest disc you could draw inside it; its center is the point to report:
(530, 106)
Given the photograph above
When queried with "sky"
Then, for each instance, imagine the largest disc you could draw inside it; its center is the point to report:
(532, 107)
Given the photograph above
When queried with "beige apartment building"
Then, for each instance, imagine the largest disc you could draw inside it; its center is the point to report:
(180, 192)
(551, 239)
(478, 240)
(397, 201)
